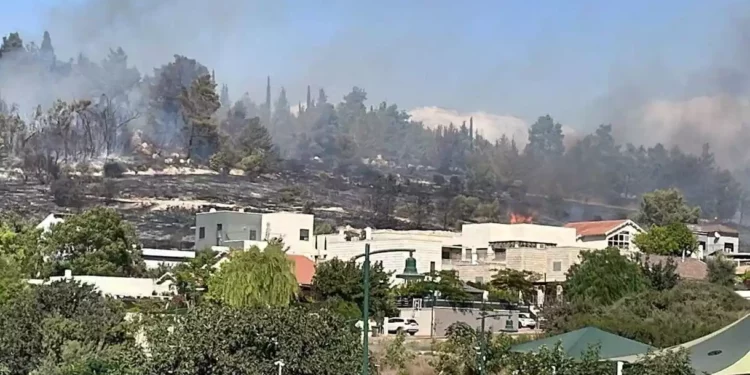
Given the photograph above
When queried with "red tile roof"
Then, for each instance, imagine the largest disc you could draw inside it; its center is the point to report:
(304, 269)
(690, 268)
(594, 228)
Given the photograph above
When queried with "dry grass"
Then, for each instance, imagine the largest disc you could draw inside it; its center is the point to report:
(420, 365)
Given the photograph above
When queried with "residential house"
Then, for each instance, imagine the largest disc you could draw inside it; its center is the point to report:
(606, 233)
(715, 239)
(239, 229)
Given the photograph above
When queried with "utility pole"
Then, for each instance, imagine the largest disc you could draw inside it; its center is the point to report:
(410, 273)
(366, 313)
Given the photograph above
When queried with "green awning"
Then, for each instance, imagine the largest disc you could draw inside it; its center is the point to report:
(575, 343)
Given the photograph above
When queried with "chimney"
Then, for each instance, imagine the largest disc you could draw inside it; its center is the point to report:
(68, 275)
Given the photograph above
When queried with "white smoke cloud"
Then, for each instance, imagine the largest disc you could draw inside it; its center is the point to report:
(489, 125)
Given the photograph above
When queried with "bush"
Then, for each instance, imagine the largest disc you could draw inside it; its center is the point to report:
(690, 310)
(114, 169)
(67, 192)
(721, 271)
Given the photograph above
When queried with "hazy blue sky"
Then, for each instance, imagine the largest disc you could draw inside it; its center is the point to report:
(521, 58)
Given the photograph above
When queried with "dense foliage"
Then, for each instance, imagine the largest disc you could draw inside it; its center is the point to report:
(337, 281)
(672, 239)
(94, 242)
(63, 324)
(644, 300)
(227, 341)
(603, 277)
(255, 278)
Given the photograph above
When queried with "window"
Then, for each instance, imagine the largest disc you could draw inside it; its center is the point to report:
(728, 247)
(304, 235)
(253, 235)
(432, 266)
(468, 254)
(479, 279)
(481, 254)
(556, 266)
(201, 233)
(500, 254)
(395, 320)
(620, 240)
(219, 227)
(509, 325)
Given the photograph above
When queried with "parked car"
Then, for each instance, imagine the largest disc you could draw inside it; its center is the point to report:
(525, 321)
(396, 325)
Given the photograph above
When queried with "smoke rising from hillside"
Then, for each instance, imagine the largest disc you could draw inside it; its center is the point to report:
(709, 105)
(238, 39)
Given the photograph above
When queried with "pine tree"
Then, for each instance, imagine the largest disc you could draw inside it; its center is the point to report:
(225, 101)
(199, 104)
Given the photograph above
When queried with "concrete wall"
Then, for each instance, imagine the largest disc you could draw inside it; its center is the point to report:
(289, 227)
(445, 316)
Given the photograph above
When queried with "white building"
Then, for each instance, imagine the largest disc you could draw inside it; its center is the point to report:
(120, 287)
(428, 246)
(606, 233)
(243, 230)
(155, 257)
(476, 253)
(714, 239)
(51, 219)
(490, 241)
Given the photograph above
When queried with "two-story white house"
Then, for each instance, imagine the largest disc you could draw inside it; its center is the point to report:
(242, 230)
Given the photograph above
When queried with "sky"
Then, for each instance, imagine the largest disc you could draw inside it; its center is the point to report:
(520, 59)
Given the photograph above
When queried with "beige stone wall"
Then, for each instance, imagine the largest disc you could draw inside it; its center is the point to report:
(481, 271)
(544, 261)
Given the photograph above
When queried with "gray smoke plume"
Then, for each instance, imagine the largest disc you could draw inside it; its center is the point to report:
(710, 105)
(647, 104)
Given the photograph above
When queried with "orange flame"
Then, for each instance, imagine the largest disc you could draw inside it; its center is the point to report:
(519, 218)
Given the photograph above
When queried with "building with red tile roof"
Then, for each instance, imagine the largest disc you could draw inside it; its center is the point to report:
(606, 233)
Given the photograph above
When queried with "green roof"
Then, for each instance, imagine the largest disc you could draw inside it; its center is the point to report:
(575, 343)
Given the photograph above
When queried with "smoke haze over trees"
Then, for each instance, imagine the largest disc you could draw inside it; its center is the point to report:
(56, 112)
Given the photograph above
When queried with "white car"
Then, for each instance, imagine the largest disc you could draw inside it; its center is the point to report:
(525, 321)
(396, 325)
